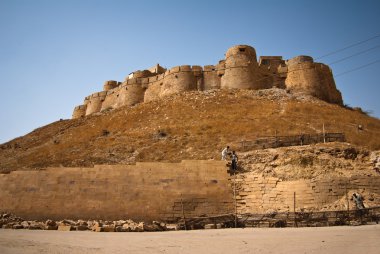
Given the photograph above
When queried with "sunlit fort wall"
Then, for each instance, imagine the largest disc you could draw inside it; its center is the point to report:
(239, 70)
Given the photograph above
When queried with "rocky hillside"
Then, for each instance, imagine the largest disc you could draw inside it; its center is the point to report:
(312, 161)
(193, 125)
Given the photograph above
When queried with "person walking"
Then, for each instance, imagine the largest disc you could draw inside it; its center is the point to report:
(225, 152)
(358, 199)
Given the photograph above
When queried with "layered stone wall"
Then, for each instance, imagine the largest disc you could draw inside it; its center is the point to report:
(145, 191)
(169, 191)
(256, 194)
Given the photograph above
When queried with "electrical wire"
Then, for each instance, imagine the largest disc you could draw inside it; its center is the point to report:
(356, 54)
(350, 46)
(357, 68)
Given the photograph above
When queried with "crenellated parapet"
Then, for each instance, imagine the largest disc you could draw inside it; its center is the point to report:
(239, 70)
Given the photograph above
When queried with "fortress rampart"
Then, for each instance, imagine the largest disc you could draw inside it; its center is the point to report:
(256, 194)
(166, 191)
(305, 76)
(239, 70)
(144, 192)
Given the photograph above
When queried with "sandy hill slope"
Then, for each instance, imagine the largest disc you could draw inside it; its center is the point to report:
(192, 125)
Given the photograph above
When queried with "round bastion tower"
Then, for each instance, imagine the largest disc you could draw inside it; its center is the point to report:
(315, 79)
(241, 68)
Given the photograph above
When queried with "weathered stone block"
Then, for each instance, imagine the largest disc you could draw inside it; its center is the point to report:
(65, 228)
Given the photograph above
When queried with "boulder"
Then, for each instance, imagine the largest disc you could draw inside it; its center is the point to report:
(96, 226)
(68, 222)
(97, 229)
(82, 223)
(17, 226)
(63, 227)
(35, 225)
(81, 228)
(109, 228)
(25, 224)
(119, 223)
(8, 225)
(210, 226)
(150, 227)
(139, 227)
(51, 225)
(120, 229)
(171, 227)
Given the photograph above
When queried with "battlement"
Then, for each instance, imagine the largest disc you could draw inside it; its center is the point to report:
(299, 60)
(110, 84)
(239, 70)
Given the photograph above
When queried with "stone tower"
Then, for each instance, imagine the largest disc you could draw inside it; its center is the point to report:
(315, 79)
(241, 69)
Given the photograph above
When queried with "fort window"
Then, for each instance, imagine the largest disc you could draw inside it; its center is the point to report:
(161, 84)
(242, 49)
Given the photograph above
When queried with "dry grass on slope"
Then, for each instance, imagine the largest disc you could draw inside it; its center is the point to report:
(193, 125)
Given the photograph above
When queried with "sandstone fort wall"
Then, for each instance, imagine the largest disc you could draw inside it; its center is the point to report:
(79, 111)
(315, 79)
(130, 94)
(239, 70)
(166, 191)
(94, 102)
(256, 194)
(145, 191)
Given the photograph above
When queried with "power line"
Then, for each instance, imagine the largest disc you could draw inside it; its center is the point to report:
(350, 46)
(358, 68)
(356, 54)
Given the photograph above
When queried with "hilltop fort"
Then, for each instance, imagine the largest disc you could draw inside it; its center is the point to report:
(240, 70)
(156, 156)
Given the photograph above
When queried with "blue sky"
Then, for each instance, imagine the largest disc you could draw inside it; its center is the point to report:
(54, 53)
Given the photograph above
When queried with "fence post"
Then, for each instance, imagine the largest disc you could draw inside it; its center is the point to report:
(183, 213)
(324, 136)
(294, 209)
(348, 205)
(235, 199)
(275, 138)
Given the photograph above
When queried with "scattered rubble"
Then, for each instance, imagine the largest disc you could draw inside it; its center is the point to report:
(11, 221)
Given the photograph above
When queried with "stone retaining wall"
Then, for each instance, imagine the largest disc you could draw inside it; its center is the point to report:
(256, 194)
(142, 192)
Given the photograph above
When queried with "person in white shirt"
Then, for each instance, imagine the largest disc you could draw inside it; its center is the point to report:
(225, 152)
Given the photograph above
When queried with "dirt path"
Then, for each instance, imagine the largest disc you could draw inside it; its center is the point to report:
(363, 239)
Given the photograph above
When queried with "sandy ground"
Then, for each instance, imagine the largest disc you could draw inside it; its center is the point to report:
(362, 239)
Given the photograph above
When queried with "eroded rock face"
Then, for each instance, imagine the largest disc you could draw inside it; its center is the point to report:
(317, 177)
(307, 162)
